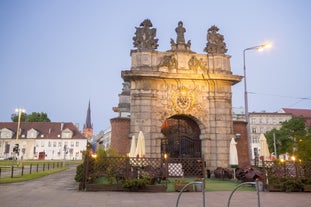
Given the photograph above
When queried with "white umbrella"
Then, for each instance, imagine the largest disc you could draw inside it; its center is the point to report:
(233, 157)
(264, 150)
(141, 148)
(133, 147)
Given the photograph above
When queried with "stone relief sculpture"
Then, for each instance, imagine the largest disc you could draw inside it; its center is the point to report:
(194, 64)
(215, 42)
(168, 61)
(145, 37)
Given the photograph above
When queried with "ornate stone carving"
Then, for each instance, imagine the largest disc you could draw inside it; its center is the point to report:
(169, 61)
(215, 42)
(180, 44)
(194, 64)
(145, 37)
(183, 100)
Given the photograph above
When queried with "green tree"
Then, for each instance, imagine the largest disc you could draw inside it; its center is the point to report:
(289, 136)
(33, 117)
(304, 147)
(14, 117)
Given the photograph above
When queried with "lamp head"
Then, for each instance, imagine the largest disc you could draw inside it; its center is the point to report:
(264, 46)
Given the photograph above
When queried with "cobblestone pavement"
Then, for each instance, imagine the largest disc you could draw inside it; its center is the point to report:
(60, 190)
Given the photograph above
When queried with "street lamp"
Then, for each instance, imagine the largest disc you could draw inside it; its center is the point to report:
(16, 148)
(258, 48)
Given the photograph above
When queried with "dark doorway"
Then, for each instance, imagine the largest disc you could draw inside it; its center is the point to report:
(182, 137)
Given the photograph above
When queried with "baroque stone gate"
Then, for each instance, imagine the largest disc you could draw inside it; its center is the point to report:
(179, 99)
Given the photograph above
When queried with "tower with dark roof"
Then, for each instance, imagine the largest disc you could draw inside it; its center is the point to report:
(88, 126)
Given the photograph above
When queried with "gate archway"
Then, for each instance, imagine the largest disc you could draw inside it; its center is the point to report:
(182, 137)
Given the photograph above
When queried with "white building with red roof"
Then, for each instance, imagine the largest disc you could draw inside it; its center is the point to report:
(42, 140)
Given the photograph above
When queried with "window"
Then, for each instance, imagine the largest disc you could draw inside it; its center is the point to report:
(77, 144)
(54, 144)
(49, 144)
(72, 144)
(60, 144)
(255, 140)
(253, 130)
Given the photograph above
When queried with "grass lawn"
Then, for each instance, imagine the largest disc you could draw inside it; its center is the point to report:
(30, 176)
(213, 184)
(210, 184)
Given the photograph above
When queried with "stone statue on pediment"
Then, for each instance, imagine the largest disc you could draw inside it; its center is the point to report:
(215, 42)
(180, 44)
(144, 39)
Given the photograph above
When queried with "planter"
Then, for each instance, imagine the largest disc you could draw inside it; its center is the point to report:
(118, 187)
(104, 187)
(179, 187)
(198, 187)
(275, 188)
(307, 187)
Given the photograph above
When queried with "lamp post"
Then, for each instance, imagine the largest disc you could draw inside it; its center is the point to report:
(16, 148)
(258, 48)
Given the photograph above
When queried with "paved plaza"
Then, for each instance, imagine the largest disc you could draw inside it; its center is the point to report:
(60, 190)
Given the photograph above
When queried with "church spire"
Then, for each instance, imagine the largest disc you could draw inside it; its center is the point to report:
(88, 126)
(88, 123)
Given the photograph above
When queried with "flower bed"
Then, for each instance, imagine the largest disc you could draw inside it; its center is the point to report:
(179, 184)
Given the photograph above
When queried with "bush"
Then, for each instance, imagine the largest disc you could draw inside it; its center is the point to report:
(291, 185)
(134, 184)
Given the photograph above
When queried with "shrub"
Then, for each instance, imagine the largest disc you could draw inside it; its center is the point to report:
(134, 184)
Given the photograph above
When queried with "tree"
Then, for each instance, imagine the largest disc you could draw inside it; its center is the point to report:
(33, 117)
(304, 147)
(290, 138)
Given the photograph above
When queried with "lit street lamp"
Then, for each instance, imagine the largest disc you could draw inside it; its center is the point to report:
(258, 48)
(16, 148)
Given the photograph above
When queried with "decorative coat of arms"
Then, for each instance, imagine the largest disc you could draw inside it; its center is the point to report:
(183, 100)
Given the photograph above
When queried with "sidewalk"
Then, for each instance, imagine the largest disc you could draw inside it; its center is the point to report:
(60, 190)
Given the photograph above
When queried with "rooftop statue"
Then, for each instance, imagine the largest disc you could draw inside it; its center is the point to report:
(180, 44)
(145, 37)
(215, 42)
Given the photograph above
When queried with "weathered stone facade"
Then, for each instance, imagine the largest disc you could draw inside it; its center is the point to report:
(182, 82)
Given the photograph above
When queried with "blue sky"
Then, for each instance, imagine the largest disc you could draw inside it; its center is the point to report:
(56, 55)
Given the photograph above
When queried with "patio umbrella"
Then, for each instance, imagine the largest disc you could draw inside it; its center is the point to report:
(233, 157)
(133, 147)
(264, 150)
(141, 148)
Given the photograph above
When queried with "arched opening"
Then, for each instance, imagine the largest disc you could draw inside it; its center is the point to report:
(182, 137)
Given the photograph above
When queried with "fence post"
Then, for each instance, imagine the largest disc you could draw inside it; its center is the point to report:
(37, 167)
(43, 166)
(30, 168)
(22, 170)
(12, 170)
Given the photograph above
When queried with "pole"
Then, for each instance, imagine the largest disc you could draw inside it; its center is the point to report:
(249, 141)
(274, 144)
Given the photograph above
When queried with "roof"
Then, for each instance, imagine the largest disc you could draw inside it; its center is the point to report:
(49, 130)
(306, 113)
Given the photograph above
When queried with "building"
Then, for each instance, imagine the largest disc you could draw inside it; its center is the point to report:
(42, 140)
(179, 99)
(306, 113)
(262, 122)
(103, 139)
